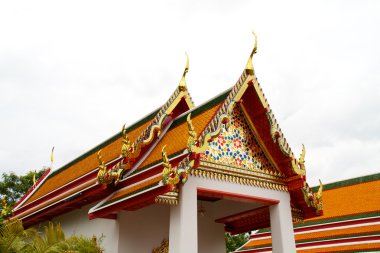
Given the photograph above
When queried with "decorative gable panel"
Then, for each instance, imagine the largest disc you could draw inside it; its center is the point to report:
(237, 146)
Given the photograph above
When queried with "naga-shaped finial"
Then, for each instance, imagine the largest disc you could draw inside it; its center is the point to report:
(298, 166)
(126, 147)
(103, 176)
(301, 161)
(319, 196)
(182, 83)
(249, 67)
(169, 174)
(191, 141)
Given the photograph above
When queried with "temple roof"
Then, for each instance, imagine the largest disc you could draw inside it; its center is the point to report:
(351, 214)
(145, 163)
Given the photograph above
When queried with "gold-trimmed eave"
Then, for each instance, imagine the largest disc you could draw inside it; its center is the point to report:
(120, 199)
(227, 173)
(169, 198)
(54, 200)
(169, 194)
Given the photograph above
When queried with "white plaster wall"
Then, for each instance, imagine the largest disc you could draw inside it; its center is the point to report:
(144, 229)
(77, 222)
(210, 235)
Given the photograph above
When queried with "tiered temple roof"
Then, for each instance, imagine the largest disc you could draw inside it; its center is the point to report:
(351, 221)
(147, 162)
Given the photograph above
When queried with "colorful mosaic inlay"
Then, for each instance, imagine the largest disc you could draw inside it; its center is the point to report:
(237, 146)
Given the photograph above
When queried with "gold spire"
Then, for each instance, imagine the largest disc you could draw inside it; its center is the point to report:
(182, 83)
(249, 67)
(34, 177)
(52, 155)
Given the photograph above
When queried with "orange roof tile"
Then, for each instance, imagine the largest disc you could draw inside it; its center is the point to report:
(258, 243)
(128, 190)
(338, 232)
(341, 199)
(348, 200)
(89, 163)
(322, 234)
(348, 248)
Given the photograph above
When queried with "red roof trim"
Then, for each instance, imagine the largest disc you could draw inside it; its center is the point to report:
(90, 176)
(74, 201)
(133, 203)
(31, 189)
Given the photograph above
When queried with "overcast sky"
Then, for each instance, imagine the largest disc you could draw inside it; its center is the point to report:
(73, 72)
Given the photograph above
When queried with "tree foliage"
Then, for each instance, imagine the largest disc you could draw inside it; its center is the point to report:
(14, 187)
(233, 242)
(14, 238)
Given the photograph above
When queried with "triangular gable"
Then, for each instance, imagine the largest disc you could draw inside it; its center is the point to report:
(174, 172)
(289, 172)
(236, 146)
(283, 172)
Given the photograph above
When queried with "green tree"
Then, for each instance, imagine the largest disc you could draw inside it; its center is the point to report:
(84, 244)
(233, 242)
(14, 187)
(52, 241)
(15, 239)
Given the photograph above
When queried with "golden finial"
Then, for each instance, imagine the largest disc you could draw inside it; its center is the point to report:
(249, 67)
(192, 134)
(34, 177)
(102, 173)
(169, 174)
(320, 190)
(182, 83)
(126, 146)
(165, 159)
(319, 198)
(52, 155)
(298, 166)
(302, 156)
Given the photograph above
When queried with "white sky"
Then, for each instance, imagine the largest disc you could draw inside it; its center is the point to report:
(73, 72)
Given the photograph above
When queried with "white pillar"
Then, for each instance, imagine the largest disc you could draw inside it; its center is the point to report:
(282, 227)
(183, 232)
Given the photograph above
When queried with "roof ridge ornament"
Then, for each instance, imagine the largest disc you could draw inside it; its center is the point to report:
(249, 67)
(298, 165)
(312, 199)
(182, 83)
(169, 174)
(52, 157)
